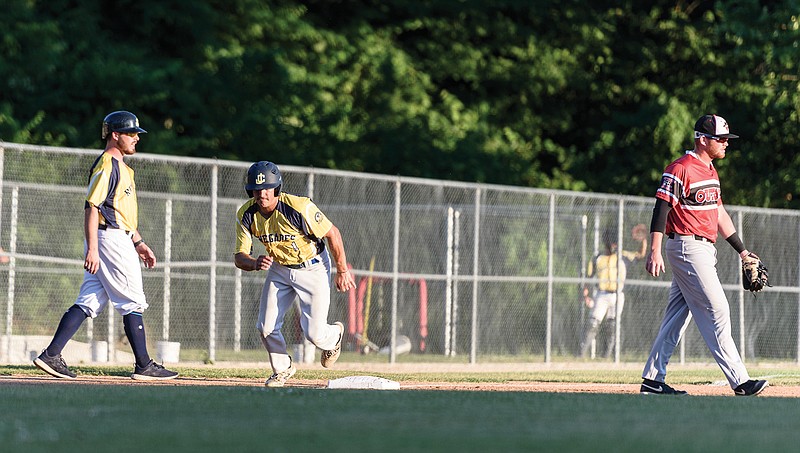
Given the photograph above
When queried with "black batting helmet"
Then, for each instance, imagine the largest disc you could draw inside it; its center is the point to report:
(263, 175)
(121, 121)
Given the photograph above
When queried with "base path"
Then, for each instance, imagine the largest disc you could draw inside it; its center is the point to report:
(509, 386)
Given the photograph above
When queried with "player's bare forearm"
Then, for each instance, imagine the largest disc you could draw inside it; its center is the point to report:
(91, 220)
(344, 279)
(336, 244)
(725, 225)
(246, 262)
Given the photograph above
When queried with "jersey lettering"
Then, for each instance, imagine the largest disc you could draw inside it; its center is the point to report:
(292, 234)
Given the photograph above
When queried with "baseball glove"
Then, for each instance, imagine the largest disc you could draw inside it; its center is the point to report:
(754, 273)
(639, 232)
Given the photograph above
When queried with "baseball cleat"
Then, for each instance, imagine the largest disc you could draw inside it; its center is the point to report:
(54, 366)
(650, 387)
(750, 388)
(330, 357)
(278, 379)
(152, 372)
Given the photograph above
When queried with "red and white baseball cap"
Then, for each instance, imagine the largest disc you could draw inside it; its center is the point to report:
(713, 126)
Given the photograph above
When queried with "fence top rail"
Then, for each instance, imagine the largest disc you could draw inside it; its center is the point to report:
(375, 177)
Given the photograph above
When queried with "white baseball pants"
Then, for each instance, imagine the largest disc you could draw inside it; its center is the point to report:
(312, 286)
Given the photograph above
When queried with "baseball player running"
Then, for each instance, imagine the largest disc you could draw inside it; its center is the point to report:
(113, 249)
(689, 210)
(292, 229)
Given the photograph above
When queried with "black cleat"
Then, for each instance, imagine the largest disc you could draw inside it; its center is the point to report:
(152, 372)
(650, 387)
(54, 366)
(750, 388)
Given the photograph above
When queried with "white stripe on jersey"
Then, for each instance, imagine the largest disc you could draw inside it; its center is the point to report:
(705, 207)
(707, 182)
(669, 194)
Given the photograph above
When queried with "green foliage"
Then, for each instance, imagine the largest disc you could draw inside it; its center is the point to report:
(571, 95)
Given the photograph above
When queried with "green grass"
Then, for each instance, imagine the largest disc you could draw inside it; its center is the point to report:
(56, 417)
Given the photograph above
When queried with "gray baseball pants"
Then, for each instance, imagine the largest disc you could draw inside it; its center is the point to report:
(695, 292)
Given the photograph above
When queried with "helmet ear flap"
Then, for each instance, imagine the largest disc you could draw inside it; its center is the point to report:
(277, 191)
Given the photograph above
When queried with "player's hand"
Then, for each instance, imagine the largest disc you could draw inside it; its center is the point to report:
(345, 281)
(655, 263)
(263, 262)
(146, 255)
(92, 262)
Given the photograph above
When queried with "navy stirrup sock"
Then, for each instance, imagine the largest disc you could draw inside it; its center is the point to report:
(69, 325)
(134, 330)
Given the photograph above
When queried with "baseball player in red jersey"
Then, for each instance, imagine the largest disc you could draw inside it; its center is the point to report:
(690, 213)
(113, 249)
(293, 231)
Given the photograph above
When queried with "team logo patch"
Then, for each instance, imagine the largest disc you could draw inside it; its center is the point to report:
(318, 217)
(260, 178)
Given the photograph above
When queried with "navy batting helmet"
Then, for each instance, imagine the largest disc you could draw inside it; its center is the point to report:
(121, 121)
(263, 175)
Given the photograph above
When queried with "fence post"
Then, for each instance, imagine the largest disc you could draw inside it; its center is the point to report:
(395, 271)
(473, 349)
(237, 310)
(618, 292)
(448, 283)
(456, 246)
(550, 239)
(212, 283)
(167, 269)
(798, 304)
(12, 248)
(742, 334)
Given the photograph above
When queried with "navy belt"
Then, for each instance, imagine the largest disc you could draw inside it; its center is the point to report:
(106, 227)
(690, 236)
(308, 263)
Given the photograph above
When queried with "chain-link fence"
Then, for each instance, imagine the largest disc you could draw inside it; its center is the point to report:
(445, 270)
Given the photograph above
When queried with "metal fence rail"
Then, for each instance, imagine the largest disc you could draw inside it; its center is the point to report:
(471, 271)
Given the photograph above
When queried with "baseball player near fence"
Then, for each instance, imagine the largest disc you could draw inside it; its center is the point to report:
(608, 299)
(293, 231)
(690, 213)
(113, 248)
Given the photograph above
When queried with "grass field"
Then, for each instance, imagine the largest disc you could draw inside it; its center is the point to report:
(55, 417)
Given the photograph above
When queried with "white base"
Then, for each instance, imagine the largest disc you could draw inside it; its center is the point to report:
(363, 382)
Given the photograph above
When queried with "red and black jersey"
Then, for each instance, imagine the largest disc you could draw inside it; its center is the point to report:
(691, 187)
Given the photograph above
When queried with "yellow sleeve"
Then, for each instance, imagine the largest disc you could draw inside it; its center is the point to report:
(98, 184)
(244, 239)
(318, 223)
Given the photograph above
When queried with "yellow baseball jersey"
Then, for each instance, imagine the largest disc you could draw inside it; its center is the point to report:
(113, 192)
(606, 269)
(291, 235)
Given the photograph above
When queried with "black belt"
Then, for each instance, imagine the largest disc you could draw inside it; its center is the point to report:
(103, 226)
(308, 263)
(697, 237)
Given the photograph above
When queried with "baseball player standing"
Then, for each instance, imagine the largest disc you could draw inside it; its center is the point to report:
(609, 270)
(689, 211)
(293, 230)
(113, 249)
